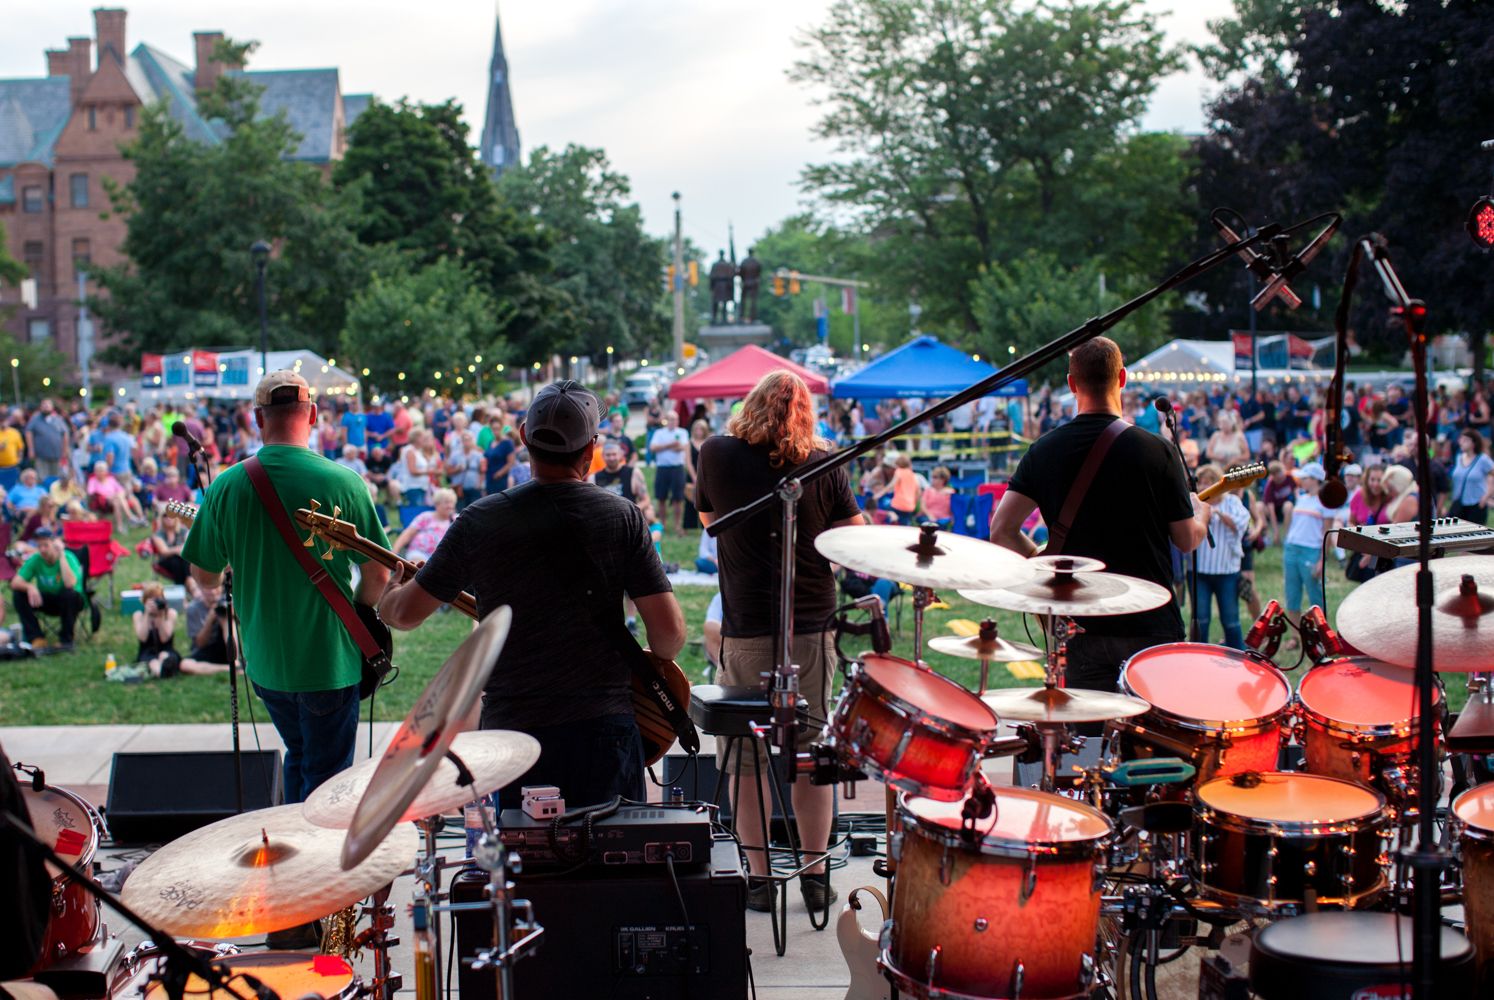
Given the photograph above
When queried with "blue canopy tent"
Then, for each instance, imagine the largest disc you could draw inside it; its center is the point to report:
(921, 368)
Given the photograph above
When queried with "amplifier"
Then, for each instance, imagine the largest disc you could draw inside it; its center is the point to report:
(619, 932)
(634, 835)
(157, 797)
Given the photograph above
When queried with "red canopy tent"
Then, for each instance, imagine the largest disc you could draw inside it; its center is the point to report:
(735, 375)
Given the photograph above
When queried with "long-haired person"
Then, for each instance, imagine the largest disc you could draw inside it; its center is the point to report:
(772, 433)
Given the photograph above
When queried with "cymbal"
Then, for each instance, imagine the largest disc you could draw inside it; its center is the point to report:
(1379, 616)
(973, 647)
(922, 556)
(1064, 585)
(495, 757)
(258, 872)
(420, 743)
(1061, 705)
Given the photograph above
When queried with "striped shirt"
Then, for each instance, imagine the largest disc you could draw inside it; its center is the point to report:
(1228, 524)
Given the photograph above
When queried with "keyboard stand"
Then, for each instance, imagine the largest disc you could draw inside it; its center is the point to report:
(1474, 730)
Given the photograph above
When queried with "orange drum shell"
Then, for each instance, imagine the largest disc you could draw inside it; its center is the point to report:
(939, 760)
(1340, 753)
(1051, 934)
(1258, 751)
(75, 918)
(1476, 848)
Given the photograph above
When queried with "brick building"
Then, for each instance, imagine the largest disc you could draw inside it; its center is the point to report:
(60, 136)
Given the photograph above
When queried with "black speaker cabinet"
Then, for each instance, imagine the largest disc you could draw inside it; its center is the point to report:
(617, 931)
(157, 797)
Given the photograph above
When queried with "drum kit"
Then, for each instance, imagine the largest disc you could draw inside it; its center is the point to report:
(1190, 819)
(282, 867)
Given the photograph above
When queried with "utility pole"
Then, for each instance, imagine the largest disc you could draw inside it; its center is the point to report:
(679, 288)
(85, 335)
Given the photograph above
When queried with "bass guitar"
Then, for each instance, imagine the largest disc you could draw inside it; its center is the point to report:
(1236, 478)
(659, 686)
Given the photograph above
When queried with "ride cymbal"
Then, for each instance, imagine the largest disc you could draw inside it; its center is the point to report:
(1061, 705)
(258, 872)
(922, 556)
(494, 757)
(1065, 585)
(1379, 616)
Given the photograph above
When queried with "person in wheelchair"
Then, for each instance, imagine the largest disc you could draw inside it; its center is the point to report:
(50, 582)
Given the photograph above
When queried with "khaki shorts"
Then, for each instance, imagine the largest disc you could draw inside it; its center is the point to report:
(745, 662)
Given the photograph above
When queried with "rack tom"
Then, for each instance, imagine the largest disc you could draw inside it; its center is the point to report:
(914, 728)
(1220, 708)
(1279, 840)
(72, 828)
(1012, 910)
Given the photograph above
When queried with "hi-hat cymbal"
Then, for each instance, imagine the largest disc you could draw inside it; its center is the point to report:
(420, 743)
(1061, 705)
(973, 647)
(258, 872)
(1379, 616)
(1065, 585)
(922, 556)
(495, 757)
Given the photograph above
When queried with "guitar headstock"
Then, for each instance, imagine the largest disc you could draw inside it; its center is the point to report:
(1244, 475)
(333, 532)
(182, 511)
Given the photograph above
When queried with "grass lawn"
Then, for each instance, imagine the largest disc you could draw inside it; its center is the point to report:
(69, 689)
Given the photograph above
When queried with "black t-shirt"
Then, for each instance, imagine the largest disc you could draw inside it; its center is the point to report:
(556, 667)
(1123, 519)
(732, 473)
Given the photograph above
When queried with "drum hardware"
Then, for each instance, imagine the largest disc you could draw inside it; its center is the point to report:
(1268, 630)
(1319, 640)
(985, 647)
(515, 931)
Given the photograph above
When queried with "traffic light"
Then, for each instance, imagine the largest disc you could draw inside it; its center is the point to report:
(694, 273)
(778, 285)
(793, 282)
(1481, 223)
(669, 278)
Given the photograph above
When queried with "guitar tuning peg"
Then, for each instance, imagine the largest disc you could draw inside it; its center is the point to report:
(315, 505)
(327, 556)
(310, 541)
(336, 511)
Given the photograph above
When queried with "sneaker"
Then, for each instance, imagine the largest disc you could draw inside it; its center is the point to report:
(761, 894)
(817, 892)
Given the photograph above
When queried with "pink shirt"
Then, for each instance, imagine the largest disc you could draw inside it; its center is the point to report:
(108, 487)
(936, 503)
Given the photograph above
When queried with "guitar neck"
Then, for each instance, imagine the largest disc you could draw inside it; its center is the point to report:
(464, 602)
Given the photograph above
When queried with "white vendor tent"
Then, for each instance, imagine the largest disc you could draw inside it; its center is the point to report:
(200, 374)
(1187, 362)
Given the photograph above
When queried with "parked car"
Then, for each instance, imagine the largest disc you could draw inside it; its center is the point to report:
(640, 388)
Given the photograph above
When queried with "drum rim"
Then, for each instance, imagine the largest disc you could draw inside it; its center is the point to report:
(1066, 851)
(1251, 726)
(944, 725)
(912, 987)
(348, 989)
(1242, 823)
(1464, 827)
(1352, 902)
(1399, 728)
(95, 824)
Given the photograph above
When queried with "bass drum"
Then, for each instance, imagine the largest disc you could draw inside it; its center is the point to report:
(1217, 707)
(1014, 910)
(74, 829)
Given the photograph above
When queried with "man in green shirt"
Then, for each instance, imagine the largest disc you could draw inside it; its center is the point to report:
(297, 652)
(50, 582)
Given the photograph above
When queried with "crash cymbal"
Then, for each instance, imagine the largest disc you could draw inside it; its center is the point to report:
(495, 757)
(258, 872)
(922, 556)
(973, 647)
(1379, 616)
(420, 743)
(1061, 705)
(1065, 585)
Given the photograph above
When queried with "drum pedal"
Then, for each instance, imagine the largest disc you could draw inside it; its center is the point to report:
(1218, 979)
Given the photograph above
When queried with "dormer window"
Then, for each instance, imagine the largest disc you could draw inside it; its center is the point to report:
(93, 119)
(129, 116)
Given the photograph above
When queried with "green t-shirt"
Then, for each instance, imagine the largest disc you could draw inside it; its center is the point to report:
(48, 576)
(293, 640)
(484, 437)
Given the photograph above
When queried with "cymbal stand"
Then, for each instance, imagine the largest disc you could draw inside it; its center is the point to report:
(511, 916)
(987, 637)
(923, 597)
(386, 982)
(1057, 630)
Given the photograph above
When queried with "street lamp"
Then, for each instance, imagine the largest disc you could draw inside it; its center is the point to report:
(610, 385)
(15, 377)
(260, 251)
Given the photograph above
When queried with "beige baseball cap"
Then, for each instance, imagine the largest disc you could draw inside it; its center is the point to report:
(283, 386)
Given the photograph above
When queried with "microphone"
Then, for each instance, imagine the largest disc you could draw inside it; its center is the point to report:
(1259, 265)
(1163, 405)
(1288, 272)
(180, 430)
(881, 638)
(1267, 630)
(1334, 493)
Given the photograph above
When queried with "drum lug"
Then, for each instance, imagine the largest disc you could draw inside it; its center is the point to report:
(1086, 970)
(1019, 976)
(1310, 868)
(861, 734)
(895, 846)
(1029, 881)
(946, 865)
(931, 969)
(903, 742)
(1097, 883)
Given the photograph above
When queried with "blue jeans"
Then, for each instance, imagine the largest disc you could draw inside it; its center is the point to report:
(1297, 562)
(319, 729)
(590, 761)
(1225, 587)
(704, 565)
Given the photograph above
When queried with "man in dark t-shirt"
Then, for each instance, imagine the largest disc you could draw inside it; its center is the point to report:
(560, 677)
(1137, 503)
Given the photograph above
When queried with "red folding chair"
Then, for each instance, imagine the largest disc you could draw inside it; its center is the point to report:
(103, 551)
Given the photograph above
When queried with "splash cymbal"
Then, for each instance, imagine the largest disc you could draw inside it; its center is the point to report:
(1065, 585)
(1062, 705)
(973, 647)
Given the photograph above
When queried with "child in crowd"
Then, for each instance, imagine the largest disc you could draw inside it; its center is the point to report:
(936, 502)
(1302, 556)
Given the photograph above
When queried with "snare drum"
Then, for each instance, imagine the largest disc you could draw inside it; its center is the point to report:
(1277, 839)
(1217, 706)
(291, 974)
(914, 728)
(1359, 723)
(1473, 816)
(1013, 912)
(72, 828)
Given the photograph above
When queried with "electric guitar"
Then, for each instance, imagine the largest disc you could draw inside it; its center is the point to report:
(1236, 478)
(659, 686)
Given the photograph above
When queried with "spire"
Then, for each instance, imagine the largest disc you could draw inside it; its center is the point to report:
(500, 134)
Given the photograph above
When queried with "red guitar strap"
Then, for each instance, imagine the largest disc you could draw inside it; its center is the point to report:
(320, 578)
(1058, 533)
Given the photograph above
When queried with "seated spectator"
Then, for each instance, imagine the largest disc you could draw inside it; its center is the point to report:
(936, 503)
(715, 613)
(25, 495)
(705, 556)
(208, 624)
(350, 460)
(466, 469)
(69, 495)
(155, 627)
(146, 483)
(171, 489)
(521, 472)
(43, 518)
(423, 534)
(106, 495)
(51, 583)
(166, 548)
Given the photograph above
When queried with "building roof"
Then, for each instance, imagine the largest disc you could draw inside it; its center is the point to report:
(8, 190)
(32, 115)
(308, 97)
(354, 105)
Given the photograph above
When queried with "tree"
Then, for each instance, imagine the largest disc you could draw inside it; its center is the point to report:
(421, 321)
(194, 209)
(605, 264)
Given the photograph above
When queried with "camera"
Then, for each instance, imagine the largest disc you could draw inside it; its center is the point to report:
(155, 604)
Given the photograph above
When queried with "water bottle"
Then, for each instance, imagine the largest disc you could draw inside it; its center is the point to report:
(472, 823)
(109, 664)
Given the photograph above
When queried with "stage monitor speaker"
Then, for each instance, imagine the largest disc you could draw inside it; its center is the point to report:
(618, 932)
(157, 797)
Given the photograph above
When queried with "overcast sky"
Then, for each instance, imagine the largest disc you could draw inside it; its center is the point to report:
(685, 96)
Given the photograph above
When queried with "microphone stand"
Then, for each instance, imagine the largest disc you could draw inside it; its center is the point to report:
(790, 488)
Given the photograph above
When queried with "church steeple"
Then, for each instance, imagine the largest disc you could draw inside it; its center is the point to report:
(500, 134)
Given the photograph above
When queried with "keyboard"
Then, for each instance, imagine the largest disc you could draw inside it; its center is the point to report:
(1399, 541)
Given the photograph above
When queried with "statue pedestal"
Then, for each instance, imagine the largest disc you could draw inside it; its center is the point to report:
(726, 337)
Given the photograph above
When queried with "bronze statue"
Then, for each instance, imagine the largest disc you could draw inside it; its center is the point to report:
(751, 273)
(723, 274)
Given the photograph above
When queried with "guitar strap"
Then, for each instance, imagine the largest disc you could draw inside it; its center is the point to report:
(1058, 533)
(530, 502)
(320, 578)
